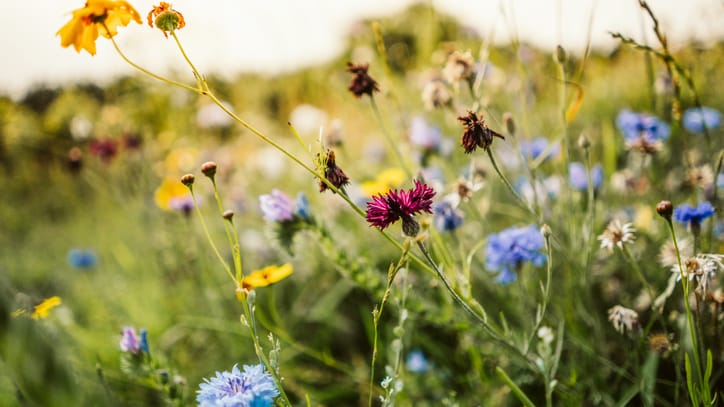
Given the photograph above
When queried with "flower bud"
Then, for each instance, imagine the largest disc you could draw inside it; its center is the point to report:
(168, 21)
(560, 54)
(665, 209)
(509, 123)
(546, 231)
(228, 214)
(583, 142)
(209, 169)
(188, 180)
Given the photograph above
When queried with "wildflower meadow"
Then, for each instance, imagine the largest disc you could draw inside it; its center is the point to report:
(428, 219)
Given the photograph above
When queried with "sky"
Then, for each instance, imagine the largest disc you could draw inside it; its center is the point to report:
(229, 36)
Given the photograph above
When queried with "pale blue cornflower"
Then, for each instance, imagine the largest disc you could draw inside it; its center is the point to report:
(641, 125)
(534, 148)
(416, 362)
(695, 119)
(276, 206)
(507, 250)
(578, 179)
(252, 387)
(423, 135)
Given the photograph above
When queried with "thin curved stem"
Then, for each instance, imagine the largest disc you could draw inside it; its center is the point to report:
(508, 184)
(208, 236)
(151, 74)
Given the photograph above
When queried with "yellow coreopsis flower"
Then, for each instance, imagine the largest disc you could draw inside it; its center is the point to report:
(264, 277)
(386, 180)
(42, 309)
(173, 195)
(83, 29)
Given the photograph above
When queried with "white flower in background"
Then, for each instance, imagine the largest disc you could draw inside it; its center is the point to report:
(616, 235)
(307, 119)
(211, 116)
(623, 319)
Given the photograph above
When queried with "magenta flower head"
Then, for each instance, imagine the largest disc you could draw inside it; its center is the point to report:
(386, 209)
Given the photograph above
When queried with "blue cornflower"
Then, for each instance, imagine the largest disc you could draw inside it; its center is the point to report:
(535, 147)
(251, 388)
(133, 343)
(416, 361)
(509, 249)
(446, 216)
(82, 258)
(693, 215)
(276, 206)
(302, 206)
(423, 135)
(635, 126)
(577, 176)
(694, 119)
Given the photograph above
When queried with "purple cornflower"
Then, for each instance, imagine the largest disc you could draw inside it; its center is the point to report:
(693, 215)
(641, 125)
(302, 206)
(694, 119)
(385, 209)
(446, 217)
(535, 147)
(276, 206)
(577, 176)
(423, 135)
(507, 250)
(133, 343)
(251, 388)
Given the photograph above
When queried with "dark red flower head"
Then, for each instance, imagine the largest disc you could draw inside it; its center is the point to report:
(332, 173)
(362, 83)
(385, 209)
(477, 134)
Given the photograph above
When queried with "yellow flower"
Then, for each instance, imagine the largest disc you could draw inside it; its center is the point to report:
(173, 195)
(82, 30)
(386, 180)
(264, 277)
(42, 309)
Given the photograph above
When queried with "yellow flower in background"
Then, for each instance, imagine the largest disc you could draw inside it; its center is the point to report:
(83, 28)
(42, 309)
(386, 180)
(173, 195)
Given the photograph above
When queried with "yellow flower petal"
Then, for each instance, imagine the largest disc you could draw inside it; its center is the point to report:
(171, 188)
(267, 275)
(42, 309)
(82, 29)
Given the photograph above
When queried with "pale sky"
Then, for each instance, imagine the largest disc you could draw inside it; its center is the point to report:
(227, 36)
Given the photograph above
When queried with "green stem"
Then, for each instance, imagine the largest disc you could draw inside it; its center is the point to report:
(199, 79)
(208, 236)
(508, 184)
(639, 273)
(377, 314)
(689, 317)
(546, 291)
(151, 74)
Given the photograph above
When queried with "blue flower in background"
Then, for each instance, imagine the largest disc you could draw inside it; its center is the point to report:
(507, 250)
(133, 343)
(689, 215)
(694, 119)
(82, 258)
(416, 362)
(423, 135)
(302, 206)
(446, 217)
(577, 176)
(535, 147)
(251, 388)
(276, 206)
(641, 125)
